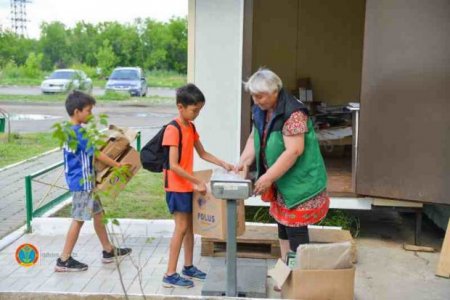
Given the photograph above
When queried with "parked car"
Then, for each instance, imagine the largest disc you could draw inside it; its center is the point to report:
(127, 79)
(63, 80)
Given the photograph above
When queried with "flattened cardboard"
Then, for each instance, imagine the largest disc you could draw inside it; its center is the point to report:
(111, 183)
(114, 148)
(323, 235)
(328, 256)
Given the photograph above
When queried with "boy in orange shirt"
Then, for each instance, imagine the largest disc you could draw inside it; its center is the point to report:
(180, 183)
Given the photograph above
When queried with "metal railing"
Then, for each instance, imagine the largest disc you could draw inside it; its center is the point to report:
(31, 213)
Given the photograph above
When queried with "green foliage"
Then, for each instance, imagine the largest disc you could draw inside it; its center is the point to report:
(10, 70)
(334, 217)
(55, 45)
(32, 67)
(162, 78)
(106, 59)
(15, 48)
(112, 95)
(347, 221)
(91, 72)
(147, 43)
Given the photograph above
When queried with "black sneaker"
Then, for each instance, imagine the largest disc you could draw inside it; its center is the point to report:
(70, 265)
(108, 257)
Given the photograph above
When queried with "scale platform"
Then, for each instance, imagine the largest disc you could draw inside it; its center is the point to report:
(251, 278)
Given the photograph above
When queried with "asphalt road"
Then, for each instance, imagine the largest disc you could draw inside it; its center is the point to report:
(40, 117)
(35, 90)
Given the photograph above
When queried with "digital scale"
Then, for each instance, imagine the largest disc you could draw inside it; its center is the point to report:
(251, 277)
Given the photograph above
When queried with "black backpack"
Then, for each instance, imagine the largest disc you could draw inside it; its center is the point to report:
(155, 156)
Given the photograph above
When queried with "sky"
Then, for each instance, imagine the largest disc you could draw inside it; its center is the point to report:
(70, 12)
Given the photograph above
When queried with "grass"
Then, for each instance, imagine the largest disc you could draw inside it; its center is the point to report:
(24, 146)
(168, 79)
(110, 97)
(20, 81)
(143, 198)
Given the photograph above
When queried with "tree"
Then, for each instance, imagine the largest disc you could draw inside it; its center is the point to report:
(54, 45)
(155, 38)
(177, 46)
(106, 59)
(83, 43)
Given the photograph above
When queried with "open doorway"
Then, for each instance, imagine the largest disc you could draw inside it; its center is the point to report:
(316, 48)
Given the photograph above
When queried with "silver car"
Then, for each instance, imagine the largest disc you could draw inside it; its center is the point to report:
(129, 79)
(64, 80)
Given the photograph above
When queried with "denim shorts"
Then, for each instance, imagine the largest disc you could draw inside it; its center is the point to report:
(85, 205)
(179, 202)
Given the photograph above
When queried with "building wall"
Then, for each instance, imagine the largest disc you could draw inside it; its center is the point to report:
(321, 40)
(215, 46)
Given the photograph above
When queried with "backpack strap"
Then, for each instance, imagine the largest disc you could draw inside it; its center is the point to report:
(180, 146)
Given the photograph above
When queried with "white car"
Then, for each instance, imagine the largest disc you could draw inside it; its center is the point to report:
(63, 80)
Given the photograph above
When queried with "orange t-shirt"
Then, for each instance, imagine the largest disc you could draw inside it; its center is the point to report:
(171, 137)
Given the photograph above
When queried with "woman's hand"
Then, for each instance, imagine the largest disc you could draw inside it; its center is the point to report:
(262, 184)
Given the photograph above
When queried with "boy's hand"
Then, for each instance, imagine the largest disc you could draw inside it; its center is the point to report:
(227, 166)
(240, 167)
(201, 188)
(123, 165)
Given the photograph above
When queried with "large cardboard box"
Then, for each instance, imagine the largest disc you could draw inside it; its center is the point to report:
(113, 148)
(314, 284)
(210, 214)
(111, 183)
(118, 141)
(317, 284)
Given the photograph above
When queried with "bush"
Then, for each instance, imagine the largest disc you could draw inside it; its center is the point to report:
(11, 70)
(91, 72)
(32, 67)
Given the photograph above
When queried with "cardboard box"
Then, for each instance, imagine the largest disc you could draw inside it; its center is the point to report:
(118, 141)
(209, 213)
(317, 284)
(314, 284)
(113, 149)
(111, 183)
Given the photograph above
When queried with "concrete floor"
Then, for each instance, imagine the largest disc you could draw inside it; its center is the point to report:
(384, 270)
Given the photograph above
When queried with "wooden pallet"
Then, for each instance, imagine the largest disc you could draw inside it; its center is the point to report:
(256, 242)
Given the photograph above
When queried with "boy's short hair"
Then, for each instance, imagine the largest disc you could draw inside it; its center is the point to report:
(189, 94)
(78, 100)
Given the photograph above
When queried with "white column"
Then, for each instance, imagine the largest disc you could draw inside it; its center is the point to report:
(215, 45)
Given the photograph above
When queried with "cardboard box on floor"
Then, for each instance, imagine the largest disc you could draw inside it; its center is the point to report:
(111, 183)
(317, 284)
(210, 214)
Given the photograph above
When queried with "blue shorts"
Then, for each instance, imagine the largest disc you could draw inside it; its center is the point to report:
(179, 202)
